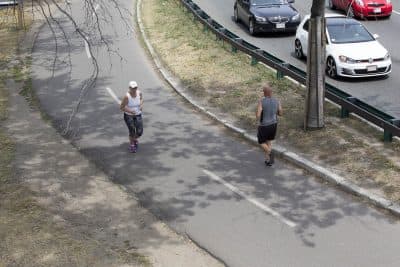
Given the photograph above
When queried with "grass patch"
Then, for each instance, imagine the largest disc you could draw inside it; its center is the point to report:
(228, 83)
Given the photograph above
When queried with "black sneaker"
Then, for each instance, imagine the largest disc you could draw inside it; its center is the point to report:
(268, 163)
(271, 158)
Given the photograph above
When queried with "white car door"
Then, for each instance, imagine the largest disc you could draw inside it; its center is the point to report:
(303, 37)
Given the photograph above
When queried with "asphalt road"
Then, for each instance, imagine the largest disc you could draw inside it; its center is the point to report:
(198, 177)
(383, 93)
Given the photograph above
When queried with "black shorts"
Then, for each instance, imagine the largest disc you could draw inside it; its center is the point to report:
(266, 133)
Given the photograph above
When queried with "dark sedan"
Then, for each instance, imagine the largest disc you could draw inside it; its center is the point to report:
(267, 15)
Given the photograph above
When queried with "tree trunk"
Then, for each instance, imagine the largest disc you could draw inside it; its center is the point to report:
(314, 113)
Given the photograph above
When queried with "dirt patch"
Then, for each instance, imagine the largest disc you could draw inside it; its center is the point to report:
(228, 83)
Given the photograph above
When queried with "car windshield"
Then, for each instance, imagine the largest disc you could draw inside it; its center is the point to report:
(267, 2)
(348, 33)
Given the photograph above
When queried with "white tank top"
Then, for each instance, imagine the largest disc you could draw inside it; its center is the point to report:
(134, 103)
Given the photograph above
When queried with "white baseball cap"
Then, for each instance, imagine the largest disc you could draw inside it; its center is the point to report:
(133, 84)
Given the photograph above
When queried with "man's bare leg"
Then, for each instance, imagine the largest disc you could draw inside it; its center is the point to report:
(267, 149)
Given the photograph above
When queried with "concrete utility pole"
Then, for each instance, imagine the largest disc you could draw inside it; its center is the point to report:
(314, 112)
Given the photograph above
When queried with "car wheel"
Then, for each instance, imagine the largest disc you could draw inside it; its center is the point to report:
(251, 27)
(331, 69)
(298, 49)
(331, 5)
(235, 14)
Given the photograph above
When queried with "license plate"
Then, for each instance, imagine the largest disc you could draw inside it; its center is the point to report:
(371, 68)
(280, 25)
(377, 10)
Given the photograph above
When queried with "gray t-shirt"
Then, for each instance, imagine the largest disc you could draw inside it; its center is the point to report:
(269, 111)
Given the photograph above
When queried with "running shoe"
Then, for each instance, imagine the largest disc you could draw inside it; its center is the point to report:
(136, 142)
(132, 148)
(271, 157)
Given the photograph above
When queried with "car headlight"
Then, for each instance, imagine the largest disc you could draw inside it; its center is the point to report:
(359, 2)
(387, 56)
(296, 17)
(260, 19)
(347, 60)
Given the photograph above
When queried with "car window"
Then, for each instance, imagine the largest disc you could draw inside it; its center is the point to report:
(349, 33)
(267, 2)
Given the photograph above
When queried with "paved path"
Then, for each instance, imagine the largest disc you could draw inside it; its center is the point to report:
(199, 177)
(81, 200)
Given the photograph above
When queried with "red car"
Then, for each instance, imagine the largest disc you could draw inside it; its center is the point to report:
(363, 8)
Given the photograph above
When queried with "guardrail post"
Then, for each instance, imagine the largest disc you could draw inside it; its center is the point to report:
(254, 61)
(344, 113)
(217, 36)
(388, 136)
(279, 74)
(234, 48)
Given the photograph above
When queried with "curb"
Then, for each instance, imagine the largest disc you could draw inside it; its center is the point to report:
(279, 150)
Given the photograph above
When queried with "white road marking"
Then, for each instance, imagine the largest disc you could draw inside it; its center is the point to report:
(131, 28)
(112, 94)
(250, 199)
(89, 55)
(397, 12)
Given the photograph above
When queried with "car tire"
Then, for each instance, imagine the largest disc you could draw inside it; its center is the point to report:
(235, 15)
(331, 69)
(252, 31)
(298, 49)
(331, 5)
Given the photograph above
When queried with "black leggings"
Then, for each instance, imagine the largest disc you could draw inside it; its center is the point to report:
(135, 125)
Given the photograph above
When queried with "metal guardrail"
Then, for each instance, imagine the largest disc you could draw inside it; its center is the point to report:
(348, 103)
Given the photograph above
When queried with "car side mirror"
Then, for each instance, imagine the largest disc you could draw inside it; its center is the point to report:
(376, 36)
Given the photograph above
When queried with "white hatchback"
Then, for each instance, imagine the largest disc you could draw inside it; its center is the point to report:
(351, 50)
(8, 2)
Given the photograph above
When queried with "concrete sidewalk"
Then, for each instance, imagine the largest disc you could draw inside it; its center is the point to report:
(82, 198)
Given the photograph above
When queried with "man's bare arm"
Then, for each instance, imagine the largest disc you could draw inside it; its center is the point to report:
(259, 110)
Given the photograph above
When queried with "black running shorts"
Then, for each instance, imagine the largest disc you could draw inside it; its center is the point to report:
(266, 133)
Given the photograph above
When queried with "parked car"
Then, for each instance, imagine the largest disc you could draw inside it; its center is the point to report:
(267, 15)
(351, 50)
(8, 2)
(363, 8)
